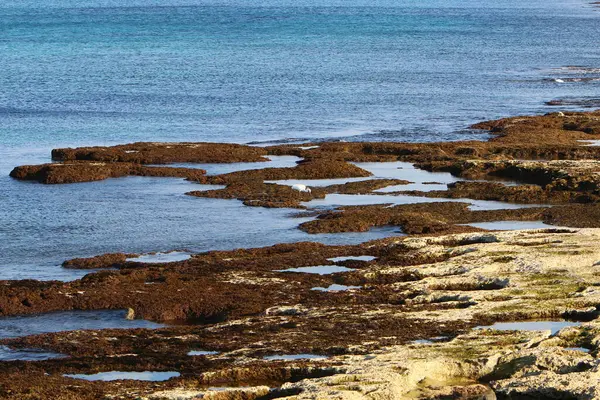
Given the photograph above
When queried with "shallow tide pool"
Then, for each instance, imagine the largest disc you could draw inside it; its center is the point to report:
(552, 326)
(318, 269)
(152, 376)
(12, 327)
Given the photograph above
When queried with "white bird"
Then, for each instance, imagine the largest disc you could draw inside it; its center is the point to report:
(557, 80)
(301, 188)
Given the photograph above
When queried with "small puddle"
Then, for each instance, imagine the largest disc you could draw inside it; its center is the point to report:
(432, 340)
(202, 353)
(552, 326)
(308, 147)
(293, 357)
(582, 349)
(352, 258)
(422, 341)
(335, 288)
(225, 168)
(118, 375)
(172, 256)
(8, 354)
(510, 225)
(12, 327)
(318, 269)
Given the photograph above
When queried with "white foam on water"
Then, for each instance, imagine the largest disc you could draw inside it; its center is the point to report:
(118, 375)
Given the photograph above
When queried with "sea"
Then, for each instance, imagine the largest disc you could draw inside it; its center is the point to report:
(103, 72)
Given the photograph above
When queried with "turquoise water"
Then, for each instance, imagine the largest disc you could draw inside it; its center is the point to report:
(96, 72)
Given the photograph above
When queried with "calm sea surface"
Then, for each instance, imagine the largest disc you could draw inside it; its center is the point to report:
(94, 72)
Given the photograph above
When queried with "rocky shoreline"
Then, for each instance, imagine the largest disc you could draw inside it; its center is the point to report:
(386, 319)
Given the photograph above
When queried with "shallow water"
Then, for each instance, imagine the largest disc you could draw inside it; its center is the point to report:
(422, 341)
(318, 182)
(591, 143)
(293, 357)
(352, 258)
(511, 225)
(8, 354)
(319, 269)
(552, 326)
(582, 349)
(103, 72)
(171, 256)
(225, 168)
(338, 200)
(224, 70)
(12, 327)
(335, 288)
(153, 376)
(133, 215)
(408, 172)
(202, 353)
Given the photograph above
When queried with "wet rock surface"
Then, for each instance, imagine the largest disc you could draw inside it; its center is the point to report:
(405, 328)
